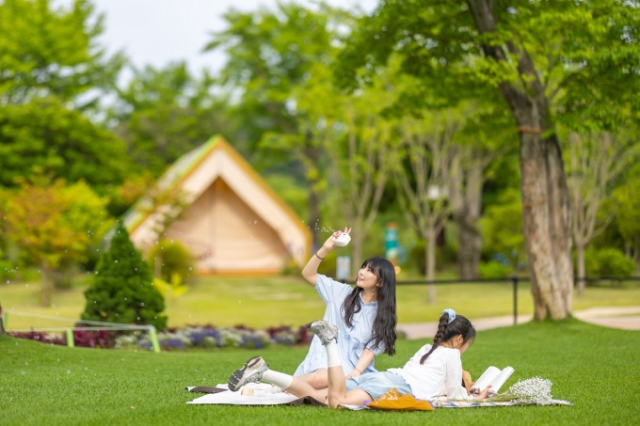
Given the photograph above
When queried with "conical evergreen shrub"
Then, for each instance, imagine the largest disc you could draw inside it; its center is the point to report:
(122, 290)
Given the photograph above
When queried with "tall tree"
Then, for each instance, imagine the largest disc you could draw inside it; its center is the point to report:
(550, 60)
(164, 113)
(359, 166)
(480, 141)
(52, 223)
(52, 50)
(428, 151)
(594, 162)
(271, 53)
(44, 136)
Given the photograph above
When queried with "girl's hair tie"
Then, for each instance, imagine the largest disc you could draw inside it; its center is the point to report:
(452, 314)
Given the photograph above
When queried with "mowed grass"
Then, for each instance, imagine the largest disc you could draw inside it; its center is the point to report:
(596, 368)
(272, 301)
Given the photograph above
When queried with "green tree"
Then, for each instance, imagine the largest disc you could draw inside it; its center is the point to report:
(575, 62)
(52, 224)
(627, 204)
(271, 53)
(164, 113)
(44, 136)
(122, 290)
(52, 50)
(594, 162)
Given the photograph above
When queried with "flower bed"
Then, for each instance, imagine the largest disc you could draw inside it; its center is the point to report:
(172, 339)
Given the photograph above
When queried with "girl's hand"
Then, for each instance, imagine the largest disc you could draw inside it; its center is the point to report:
(329, 244)
(485, 393)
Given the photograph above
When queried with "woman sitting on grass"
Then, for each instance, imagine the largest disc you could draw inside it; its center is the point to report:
(434, 371)
(365, 315)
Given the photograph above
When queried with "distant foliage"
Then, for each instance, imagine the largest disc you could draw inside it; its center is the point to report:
(51, 224)
(122, 290)
(45, 136)
(174, 258)
(608, 262)
(494, 269)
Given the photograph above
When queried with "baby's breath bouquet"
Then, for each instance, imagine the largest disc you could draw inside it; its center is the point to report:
(535, 390)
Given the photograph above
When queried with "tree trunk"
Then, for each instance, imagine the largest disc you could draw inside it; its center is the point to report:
(581, 267)
(430, 253)
(546, 225)
(545, 196)
(467, 218)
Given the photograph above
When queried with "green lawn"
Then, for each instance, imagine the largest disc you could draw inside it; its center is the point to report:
(594, 367)
(271, 301)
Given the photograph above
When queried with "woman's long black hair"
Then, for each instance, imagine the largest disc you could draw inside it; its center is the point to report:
(447, 330)
(384, 325)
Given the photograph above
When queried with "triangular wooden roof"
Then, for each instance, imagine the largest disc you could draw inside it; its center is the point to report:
(195, 171)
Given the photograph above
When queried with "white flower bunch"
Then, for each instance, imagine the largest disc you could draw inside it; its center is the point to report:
(535, 390)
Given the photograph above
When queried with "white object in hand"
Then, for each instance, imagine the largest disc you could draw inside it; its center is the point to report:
(342, 240)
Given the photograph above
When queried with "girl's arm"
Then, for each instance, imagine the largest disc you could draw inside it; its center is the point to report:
(310, 271)
(364, 361)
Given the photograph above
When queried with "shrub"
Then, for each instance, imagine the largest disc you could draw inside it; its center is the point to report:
(494, 269)
(175, 258)
(608, 262)
(122, 290)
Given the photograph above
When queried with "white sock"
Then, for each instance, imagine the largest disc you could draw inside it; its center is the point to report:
(281, 380)
(333, 356)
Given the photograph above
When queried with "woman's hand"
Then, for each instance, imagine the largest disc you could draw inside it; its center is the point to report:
(330, 244)
(354, 373)
(310, 271)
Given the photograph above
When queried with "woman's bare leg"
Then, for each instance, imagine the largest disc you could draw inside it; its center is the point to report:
(300, 388)
(318, 379)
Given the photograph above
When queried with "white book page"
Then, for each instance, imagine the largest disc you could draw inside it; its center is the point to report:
(486, 378)
(498, 381)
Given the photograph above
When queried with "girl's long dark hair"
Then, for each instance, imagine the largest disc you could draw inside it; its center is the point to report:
(447, 330)
(384, 325)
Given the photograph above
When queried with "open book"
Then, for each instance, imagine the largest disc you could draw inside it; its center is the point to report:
(492, 376)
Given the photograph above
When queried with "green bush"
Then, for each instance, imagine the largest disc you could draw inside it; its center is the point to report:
(122, 290)
(175, 258)
(7, 272)
(494, 269)
(608, 262)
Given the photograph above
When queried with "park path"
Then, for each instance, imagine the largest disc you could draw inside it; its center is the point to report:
(627, 318)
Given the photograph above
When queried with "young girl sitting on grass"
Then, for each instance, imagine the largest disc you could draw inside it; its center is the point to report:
(365, 316)
(434, 371)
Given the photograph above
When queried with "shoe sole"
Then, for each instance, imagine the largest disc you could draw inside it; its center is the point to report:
(325, 327)
(236, 379)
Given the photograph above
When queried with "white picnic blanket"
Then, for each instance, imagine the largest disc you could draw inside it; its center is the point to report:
(261, 394)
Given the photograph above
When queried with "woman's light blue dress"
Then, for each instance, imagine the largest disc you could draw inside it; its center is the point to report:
(351, 340)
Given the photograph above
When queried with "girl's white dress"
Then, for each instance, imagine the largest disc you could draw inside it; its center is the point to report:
(351, 340)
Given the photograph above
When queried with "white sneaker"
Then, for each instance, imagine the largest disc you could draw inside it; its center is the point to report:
(326, 332)
(251, 372)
